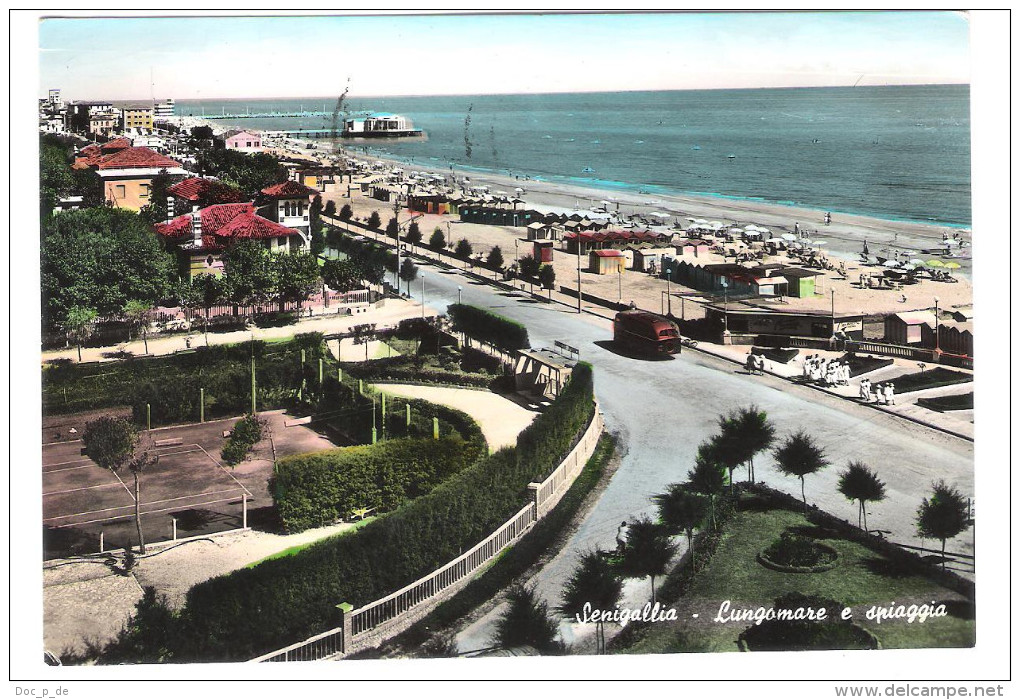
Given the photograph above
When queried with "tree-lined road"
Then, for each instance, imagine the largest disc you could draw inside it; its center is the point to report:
(662, 410)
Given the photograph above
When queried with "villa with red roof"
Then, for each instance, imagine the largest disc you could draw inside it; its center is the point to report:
(203, 234)
(195, 193)
(287, 203)
(126, 172)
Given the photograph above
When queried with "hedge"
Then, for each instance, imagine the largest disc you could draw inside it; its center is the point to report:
(170, 385)
(243, 437)
(489, 327)
(278, 602)
(319, 489)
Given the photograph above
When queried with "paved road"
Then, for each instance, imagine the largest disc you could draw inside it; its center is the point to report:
(663, 409)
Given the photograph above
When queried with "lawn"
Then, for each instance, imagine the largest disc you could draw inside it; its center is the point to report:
(956, 402)
(298, 547)
(930, 379)
(862, 364)
(862, 578)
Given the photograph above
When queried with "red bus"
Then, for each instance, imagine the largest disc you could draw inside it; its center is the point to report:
(646, 332)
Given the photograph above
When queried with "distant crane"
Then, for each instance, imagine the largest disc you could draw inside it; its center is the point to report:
(336, 126)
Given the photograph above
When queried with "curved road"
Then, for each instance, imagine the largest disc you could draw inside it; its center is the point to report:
(662, 410)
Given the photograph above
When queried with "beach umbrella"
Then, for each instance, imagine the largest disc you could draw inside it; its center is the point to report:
(908, 267)
(819, 243)
(951, 265)
(936, 263)
(916, 261)
(950, 242)
(717, 223)
(691, 219)
(891, 263)
(789, 237)
(701, 221)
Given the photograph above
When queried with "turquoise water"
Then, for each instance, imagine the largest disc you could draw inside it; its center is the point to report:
(897, 152)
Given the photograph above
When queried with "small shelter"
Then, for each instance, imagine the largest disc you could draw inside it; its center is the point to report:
(905, 328)
(605, 262)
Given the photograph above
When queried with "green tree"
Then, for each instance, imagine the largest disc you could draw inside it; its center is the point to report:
(752, 433)
(100, 259)
(593, 586)
(342, 275)
(413, 235)
(297, 277)
(374, 222)
(726, 451)
(647, 551)
(437, 241)
(529, 269)
(250, 274)
(78, 325)
(943, 516)
(345, 212)
(112, 444)
(408, 272)
(148, 636)
(526, 622)
(682, 510)
(208, 290)
(330, 209)
(139, 315)
(251, 172)
(318, 238)
(799, 456)
(201, 133)
(463, 249)
(55, 178)
(859, 483)
(156, 212)
(393, 228)
(547, 278)
(708, 477)
(495, 259)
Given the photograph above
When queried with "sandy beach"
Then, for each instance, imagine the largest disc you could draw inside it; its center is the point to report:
(843, 239)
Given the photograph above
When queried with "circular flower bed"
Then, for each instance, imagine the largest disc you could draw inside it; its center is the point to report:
(796, 554)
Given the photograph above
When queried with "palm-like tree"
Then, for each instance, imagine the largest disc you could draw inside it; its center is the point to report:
(859, 483)
(647, 551)
(682, 510)
(800, 456)
(708, 477)
(752, 430)
(593, 583)
(526, 622)
(943, 516)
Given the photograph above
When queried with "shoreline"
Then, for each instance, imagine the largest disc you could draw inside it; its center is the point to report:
(844, 237)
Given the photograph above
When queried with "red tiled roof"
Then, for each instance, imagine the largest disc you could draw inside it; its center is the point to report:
(140, 157)
(608, 253)
(251, 225)
(177, 228)
(116, 145)
(218, 215)
(289, 189)
(197, 188)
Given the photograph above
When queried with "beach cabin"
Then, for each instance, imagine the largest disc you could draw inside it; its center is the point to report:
(801, 281)
(906, 327)
(694, 247)
(540, 231)
(955, 337)
(543, 251)
(648, 259)
(606, 262)
(542, 373)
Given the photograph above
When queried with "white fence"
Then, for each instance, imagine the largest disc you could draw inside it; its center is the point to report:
(386, 615)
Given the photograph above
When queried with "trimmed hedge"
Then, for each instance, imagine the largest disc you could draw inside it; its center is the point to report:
(171, 384)
(253, 611)
(489, 327)
(243, 437)
(954, 402)
(318, 489)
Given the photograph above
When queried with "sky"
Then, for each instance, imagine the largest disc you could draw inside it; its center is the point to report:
(306, 56)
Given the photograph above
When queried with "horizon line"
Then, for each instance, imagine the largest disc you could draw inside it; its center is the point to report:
(544, 92)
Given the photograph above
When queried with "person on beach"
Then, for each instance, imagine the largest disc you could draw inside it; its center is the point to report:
(889, 391)
(750, 362)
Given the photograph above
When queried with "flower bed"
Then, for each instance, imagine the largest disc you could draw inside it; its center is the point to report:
(930, 379)
(796, 554)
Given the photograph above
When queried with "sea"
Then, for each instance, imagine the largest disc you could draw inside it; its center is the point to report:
(895, 152)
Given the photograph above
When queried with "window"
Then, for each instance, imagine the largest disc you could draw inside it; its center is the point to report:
(143, 191)
(120, 191)
(286, 208)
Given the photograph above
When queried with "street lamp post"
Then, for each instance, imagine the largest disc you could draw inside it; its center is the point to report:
(619, 285)
(459, 290)
(579, 277)
(937, 351)
(669, 299)
(726, 307)
(423, 295)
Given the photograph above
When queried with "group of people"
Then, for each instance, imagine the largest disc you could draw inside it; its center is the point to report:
(879, 393)
(826, 372)
(755, 364)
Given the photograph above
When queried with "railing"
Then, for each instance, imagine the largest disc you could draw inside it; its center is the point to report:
(395, 604)
(893, 350)
(342, 640)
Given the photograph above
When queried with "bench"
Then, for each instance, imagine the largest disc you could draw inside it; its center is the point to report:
(169, 442)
